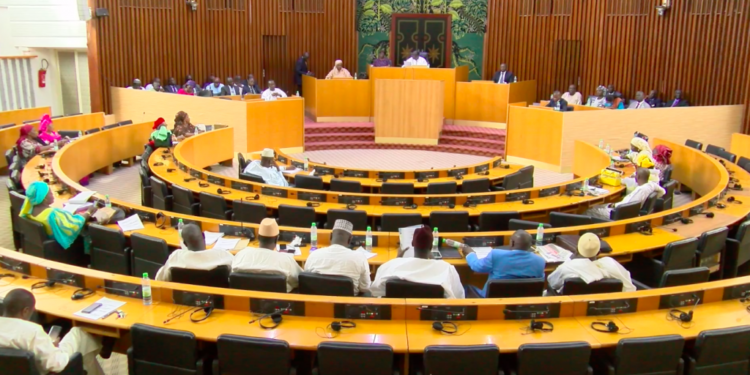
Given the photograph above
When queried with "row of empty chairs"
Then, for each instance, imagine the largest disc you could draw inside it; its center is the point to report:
(743, 162)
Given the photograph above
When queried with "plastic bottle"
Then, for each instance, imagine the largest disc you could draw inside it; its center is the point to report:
(355, 75)
(601, 144)
(297, 92)
(146, 290)
(80, 134)
(313, 237)
(107, 202)
(585, 188)
(540, 235)
(435, 236)
(307, 164)
(368, 240)
(452, 243)
(607, 149)
(180, 225)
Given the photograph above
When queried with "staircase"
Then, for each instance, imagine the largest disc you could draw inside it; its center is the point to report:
(454, 139)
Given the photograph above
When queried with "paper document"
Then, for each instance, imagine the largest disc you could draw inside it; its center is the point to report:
(107, 307)
(482, 252)
(553, 253)
(212, 237)
(291, 171)
(406, 235)
(131, 223)
(297, 251)
(366, 253)
(81, 197)
(226, 243)
(72, 207)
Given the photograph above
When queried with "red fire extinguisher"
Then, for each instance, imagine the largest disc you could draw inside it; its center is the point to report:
(43, 73)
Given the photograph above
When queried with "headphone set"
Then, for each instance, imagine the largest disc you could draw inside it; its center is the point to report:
(448, 328)
(683, 317)
(161, 220)
(469, 203)
(169, 170)
(423, 179)
(207, 310)
(646, 230)
(608, 326)
(734, 200)
(158, 164)
(541, 326)
(410, 207)
(222, 191)
(527, 201)
(382, 180)
(189, 179)
(745, 297)
(335, 328)
(276, 319)
(312, 204)
(459, 177)
(483, 173)
(45, 283)
(80, 294)
(351, 206)
(251, 197)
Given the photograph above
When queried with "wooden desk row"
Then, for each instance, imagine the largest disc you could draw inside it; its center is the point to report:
(18, 116)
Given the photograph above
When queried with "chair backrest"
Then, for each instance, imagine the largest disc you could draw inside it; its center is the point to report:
(732, 158)
(527, 176)
(69, 133)
(263, 282)
(37, 243)
(665, 202)
(442, 187)
(5, 126)
(576, 286)
(396, 188)
(509, 288)
(109, 252)
(249, 212)
(34, 236)
(126, 122)
(496, 221)
(666, 175)
(149, 254)
(648, 205)
(162, 200)
(694, 144)
(450, 360)
(92, 131)
(325, 285)
(160, 351)
(241, 161)
(391, 222)
(711, 356)
(16, 202)
(294, 216)
(714, 150)
(356, 217)
(744, 163)
(396, 288)
(17, 362)
(252, 356)
(217, 277)
(684, 277)
(450, 221)
(562, 219)
(252, 178)
(515, 224)
(184, 201)
(346, 186)
(339, 358)
(658, 355)
(478, 185)
(626, 211)
(308, 182)
(214, 206)
(711, 243)
(743, 238)
(679, 254)
(569, 358)
(107, 127)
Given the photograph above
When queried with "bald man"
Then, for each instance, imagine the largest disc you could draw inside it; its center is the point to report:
(194, 255)
(640, 194)
(338, 71)
(272, 92)
(416, 60)
(639, 102)
(503, 75)
(137, 85)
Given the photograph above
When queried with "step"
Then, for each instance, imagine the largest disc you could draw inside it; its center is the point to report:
(474, 132)
(330, 137)
(467, 141)
(349, 145)
(352, 127)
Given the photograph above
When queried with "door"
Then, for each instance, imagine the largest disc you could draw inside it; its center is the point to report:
(276, 64)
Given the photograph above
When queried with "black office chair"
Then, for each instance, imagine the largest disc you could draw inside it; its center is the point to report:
(514, 224)
(744, 163)
(6, 126)
(396, 188)
(184, 202)
(681, 277)
(665, 202)
(510, 288)
(479, 185)
(648, 205)
(442, 188)
(214, 206)
(325, 285)
(308, 182)
(241, 161)
(724, 154)
(69, 133)
(339, 358)
(217, 277)
(711, 243)
(21, 362)
(666, 175)
(74, 114)
(251, 356)
(625, 211)
(30, 121)
(126, 122)
(568, 358)
(396, 288)
(346, 186)
(161, 198)
(160, 351)
(714, 150)
(109, 250)
(392, 222)
(149, 254)
(677, 255)
(694, 144)
(252, 178)
(294, 216)
(147, 198)
(262, 282)
(562, 219)
(576, 286)
(112, 126)
(16, 202)
(249, 212)
(357, 218)
(737, 253)
(37, 243)
(496, 221)
(450, 221)
(527, 174)
(720, 351)
(92, 131)
(451, 360)
(658, 355)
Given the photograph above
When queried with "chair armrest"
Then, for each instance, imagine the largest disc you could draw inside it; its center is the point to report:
(215, 366)
(639, 285)
(497, 188)
(229, 214)
(681, 366)
(75, 365)
(731, 253)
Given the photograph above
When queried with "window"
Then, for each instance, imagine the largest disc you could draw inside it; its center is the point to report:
(628, 7)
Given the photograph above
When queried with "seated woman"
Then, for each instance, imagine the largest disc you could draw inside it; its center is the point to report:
(599, 100)
(613, 103)
(182, 126)
(161, 136)
(662, 156)
(47, 133)
(64, 227)
(27, 146)
(641, 155)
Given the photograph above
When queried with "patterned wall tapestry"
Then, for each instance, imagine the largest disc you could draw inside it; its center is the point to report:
(469, 21)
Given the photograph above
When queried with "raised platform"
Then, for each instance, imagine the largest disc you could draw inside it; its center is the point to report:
(361, 135)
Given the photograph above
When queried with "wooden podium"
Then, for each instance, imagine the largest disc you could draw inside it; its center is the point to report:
(408, 111)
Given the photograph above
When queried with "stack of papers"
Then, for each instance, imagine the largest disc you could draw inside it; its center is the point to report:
(81, 197)
(131, 223)
(291, 171)
(553, 253)
(108, 306)
(406, 235)
(212, 237)
(482, 252)
(226, 243)
(366, 253)
(73, 207)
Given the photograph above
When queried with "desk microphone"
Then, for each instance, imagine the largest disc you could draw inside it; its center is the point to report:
(508, 312)
(393, 201)
(626, 306)
(422, 308)
(128, 293)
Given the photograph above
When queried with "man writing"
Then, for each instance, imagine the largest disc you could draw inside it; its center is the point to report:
(557, 103)
(415, 60)
(338, 259)
(640, 194)
(196, 256)
(300, 69)
(518, 263)
(503, 75)
(639, 102)
(338, 71)
(272, 93)
(267, 169)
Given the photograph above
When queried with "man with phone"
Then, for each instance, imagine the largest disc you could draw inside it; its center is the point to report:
(17, 332)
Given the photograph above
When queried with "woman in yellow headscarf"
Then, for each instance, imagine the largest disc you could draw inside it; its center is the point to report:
(641, 155)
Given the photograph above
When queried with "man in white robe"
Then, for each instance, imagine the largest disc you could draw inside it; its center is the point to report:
(267, 169)
(272, 92)
(640, 194)
(416, 60)
(196, 256)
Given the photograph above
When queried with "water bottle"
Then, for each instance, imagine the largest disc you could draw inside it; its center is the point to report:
(435, 236)
(56, 147)
(297, 92)
(368, 240)
(585, 186)
(313, 237)
(180, 225)
(307, 164)
(601, 144)
(80, 134)
(107, 202)
(540, 235)
(355, 75)
(146, 290)
(452, 243)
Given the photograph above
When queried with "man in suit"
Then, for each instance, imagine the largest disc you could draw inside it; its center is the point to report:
(230, 88)
(300, 69)
(639, 102)
(557, 103)
(653, 99)
(503, 75)
(251, 87)
(678, 100)
(171, 86)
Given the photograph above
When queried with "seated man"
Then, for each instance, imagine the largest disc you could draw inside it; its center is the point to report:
(639, 102)
(653, 99)
(640, 194)
(338, 71)
(678, 100)
(216, 87)
(518, 263)
(557, 103)
(339, 259)
(419, 269)
(267, 169)
(272, 93)
(155, 85)
(265, 258)
(503, 75)
(415, 60)
(572, 96)
(17, 332)
(196, 256)
(136, 85)
(581, 266)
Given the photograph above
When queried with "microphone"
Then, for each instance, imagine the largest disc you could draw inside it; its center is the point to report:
(128, 293)
(393, 201)
(424, 308)
(627, 306)
(11, 267)
(508, 312)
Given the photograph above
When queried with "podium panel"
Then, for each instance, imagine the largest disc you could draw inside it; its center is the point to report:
(408, 111)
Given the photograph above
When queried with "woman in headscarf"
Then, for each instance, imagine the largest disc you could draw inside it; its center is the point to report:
(47, 132)
(662, 156)
(599, 100)
(61, 225)
(641, 155)
(161, 136)
(186, 90)
(27, 146)
(183, 128)
(338, 71)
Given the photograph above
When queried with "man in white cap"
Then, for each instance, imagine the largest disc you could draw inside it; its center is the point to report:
(194, 255)
(339, 259)
(137, 85)
(272, 92)
(267, 169)
(265, 258)
(338, 71)
(582, 266)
